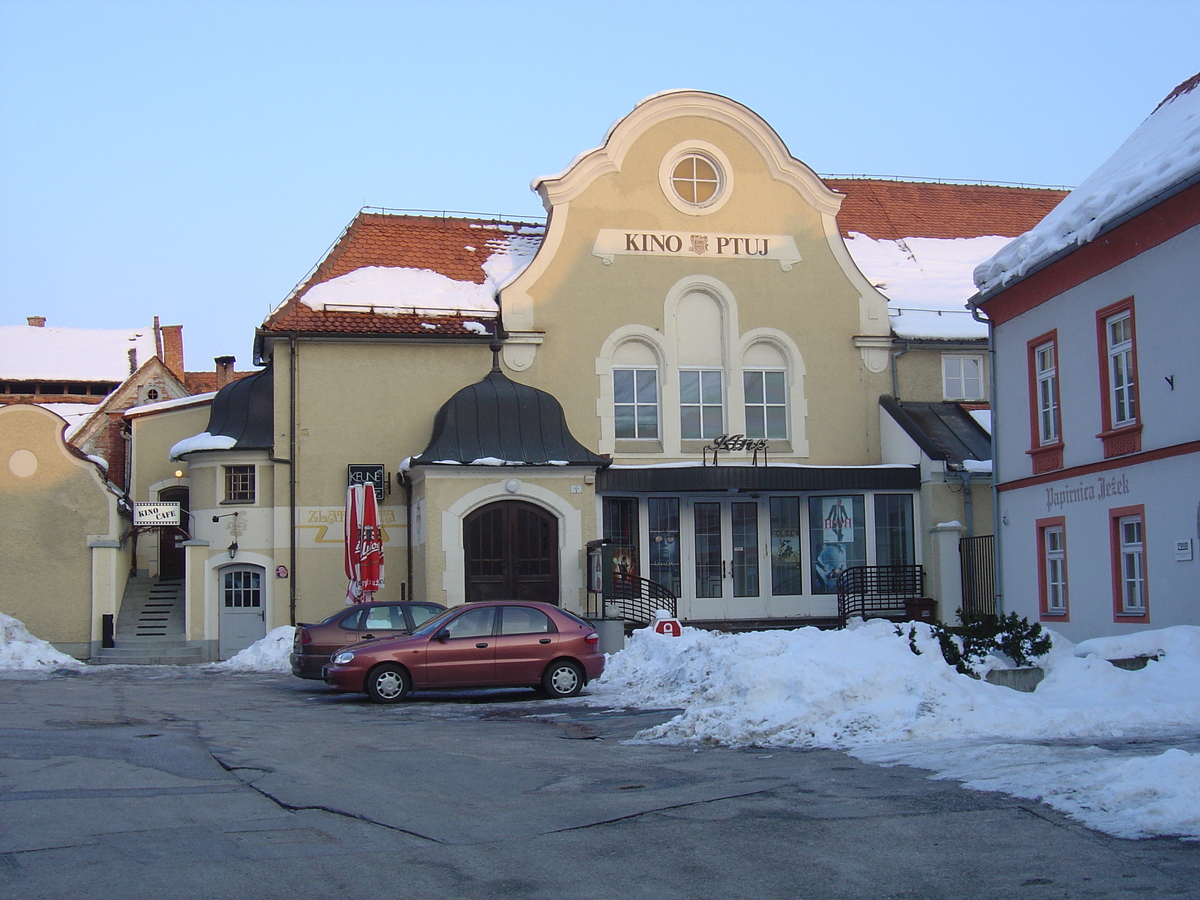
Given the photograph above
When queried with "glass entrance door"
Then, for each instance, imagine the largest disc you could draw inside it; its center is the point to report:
(726, 551)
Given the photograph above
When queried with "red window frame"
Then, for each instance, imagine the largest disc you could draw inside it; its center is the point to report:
(1124, 439)
(1118, 575)
(1046, 457)
(1043, 525)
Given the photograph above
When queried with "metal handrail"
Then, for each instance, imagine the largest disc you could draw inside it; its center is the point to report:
(879, 591)
(638, 599)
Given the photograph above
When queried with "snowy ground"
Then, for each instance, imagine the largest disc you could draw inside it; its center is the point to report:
(1117, 750)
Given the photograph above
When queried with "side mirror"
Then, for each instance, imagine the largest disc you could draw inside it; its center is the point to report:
(442, 635)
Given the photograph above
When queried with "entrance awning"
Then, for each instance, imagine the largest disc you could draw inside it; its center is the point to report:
(683, 479)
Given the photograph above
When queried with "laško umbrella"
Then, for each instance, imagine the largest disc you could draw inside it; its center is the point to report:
(364, 545)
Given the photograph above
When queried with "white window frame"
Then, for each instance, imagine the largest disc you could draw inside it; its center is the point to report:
(954, 379)
(761, 408)
(1122, 375)
(703, 404)
(1055, 555)
(1132, 548)
(638, 405)
(1045, 362)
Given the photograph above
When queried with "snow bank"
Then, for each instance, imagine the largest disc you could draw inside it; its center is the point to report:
(268, 654)
(21, 650)
(864, 690)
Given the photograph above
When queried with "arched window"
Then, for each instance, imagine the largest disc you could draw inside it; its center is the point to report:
(635, 392)
(765, 390)
(699, 337)
(241, 587)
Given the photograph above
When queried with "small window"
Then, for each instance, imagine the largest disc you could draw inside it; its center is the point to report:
(962, 377)
(1046, 371)
(239, 484)
(1054, 570)
(635, 403)
(766, 404)
(701, 404)
(1121, 372)
(1133, 565)
(696, 179)
(152, 394)
(472, 623)
(524, 620)
(241, 588)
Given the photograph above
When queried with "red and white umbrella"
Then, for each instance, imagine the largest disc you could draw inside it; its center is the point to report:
(364, 545)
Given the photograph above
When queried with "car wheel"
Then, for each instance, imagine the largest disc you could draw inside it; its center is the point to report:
(387, 683)
(563, 678)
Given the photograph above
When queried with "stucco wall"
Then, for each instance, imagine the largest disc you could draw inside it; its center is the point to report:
(55, 503)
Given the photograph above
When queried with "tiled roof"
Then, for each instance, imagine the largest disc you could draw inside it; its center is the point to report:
(458, 247)
(894, 210)
(454, 247)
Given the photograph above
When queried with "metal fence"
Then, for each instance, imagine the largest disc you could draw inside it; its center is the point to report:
(977, 556)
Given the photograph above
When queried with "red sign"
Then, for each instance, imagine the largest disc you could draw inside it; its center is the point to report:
(668, 626)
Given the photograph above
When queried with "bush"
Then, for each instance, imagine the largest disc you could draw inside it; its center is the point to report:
(966, 647)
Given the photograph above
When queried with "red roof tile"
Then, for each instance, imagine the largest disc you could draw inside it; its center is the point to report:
(458, 247)
(454, 247)
(893, 210)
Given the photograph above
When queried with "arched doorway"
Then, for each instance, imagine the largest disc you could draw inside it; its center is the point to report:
(511, 550)
(170, 549)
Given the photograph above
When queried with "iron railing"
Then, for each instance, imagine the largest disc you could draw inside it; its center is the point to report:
(890, 592)
(977, 556)
(636, 600)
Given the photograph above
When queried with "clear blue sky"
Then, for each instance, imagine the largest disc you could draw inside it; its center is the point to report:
(193, 159)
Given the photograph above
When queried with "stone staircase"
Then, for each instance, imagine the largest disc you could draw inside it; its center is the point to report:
(150, 626)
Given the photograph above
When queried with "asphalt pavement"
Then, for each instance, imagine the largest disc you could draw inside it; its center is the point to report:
(174, 782)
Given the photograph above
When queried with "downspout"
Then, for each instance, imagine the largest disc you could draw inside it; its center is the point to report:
(979, 316)
(895, 374)
(293, 378)
(968, 503)
(408, 512)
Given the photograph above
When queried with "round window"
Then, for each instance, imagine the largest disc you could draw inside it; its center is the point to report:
(696, 179)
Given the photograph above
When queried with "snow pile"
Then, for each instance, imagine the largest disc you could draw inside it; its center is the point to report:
(1161, 153)
(201, 441)
(268, 654)
(927, 281)
(21, 650)
(864, 690)
(391, 290)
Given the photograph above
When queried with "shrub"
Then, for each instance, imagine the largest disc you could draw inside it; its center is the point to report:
(966, 647)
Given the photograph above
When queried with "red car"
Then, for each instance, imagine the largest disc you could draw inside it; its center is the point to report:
(312, 644)
(505, 643)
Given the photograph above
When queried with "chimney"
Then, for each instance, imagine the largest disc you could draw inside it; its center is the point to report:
(224, 370)
(36, 321)
(172, 348)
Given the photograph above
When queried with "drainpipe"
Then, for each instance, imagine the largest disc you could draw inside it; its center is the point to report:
(979, 316)
(895, 374)
(408, 513)
(968, 503)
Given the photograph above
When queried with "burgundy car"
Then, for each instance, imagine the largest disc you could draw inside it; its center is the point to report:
(504, 643)
(312, 644)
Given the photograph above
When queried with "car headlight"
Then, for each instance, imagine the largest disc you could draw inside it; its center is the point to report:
(342, 658)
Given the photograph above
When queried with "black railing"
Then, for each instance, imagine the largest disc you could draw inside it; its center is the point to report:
(636, 600)
(890, 592)
(977, 556)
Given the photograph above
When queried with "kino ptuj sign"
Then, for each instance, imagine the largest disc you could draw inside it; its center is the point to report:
(156, 514)
(613, 242)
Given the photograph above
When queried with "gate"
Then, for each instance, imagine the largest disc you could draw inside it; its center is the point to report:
(977, 556)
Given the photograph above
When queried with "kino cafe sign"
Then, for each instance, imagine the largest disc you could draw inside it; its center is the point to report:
(613, 242)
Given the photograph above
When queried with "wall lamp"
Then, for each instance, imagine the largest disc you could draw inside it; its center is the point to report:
(232, 548)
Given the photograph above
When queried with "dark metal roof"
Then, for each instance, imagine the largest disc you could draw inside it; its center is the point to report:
(758, 478)
(943, 431)
(245, 410)
(498, 418)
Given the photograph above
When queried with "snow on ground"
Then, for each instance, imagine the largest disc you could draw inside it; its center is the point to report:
(1118, 750)
(21, 650)
(268, 654)
(1089, 741)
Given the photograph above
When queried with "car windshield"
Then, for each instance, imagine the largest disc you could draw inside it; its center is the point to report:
(431, 625)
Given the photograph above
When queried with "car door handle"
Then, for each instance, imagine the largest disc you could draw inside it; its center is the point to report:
(481, 646)
(544, 641)
(368, 637)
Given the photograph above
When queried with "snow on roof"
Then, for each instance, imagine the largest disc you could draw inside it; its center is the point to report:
(927, 282)
(76, 415)
(1162, 153)
(177, 403)
(201, 441)
(73, 354)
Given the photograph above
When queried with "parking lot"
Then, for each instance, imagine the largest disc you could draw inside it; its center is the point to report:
(181, 782)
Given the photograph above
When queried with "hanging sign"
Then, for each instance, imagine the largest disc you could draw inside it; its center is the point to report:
(367, 474)
(156, 514)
